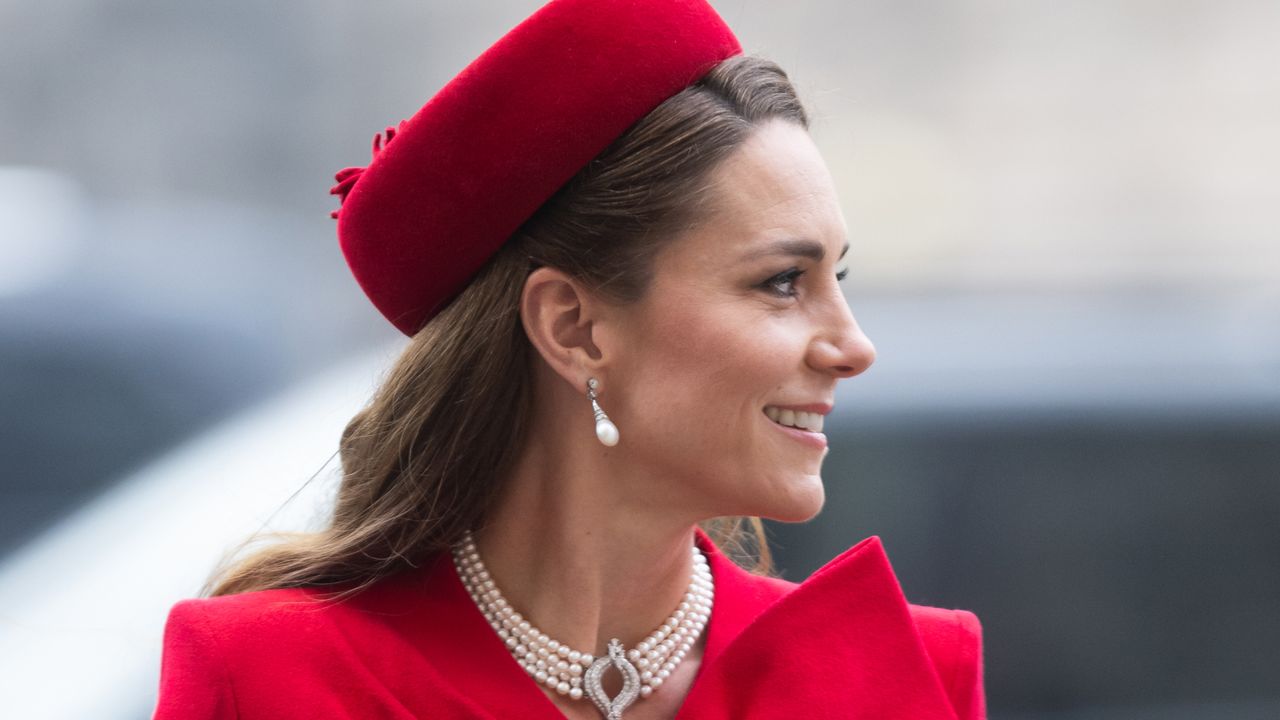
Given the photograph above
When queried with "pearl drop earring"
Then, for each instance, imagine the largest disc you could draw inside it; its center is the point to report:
(605, 429)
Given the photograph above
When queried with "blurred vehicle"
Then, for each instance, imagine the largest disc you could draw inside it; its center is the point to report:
(1096, 477)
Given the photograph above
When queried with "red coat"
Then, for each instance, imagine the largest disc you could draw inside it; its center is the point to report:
(842, 644)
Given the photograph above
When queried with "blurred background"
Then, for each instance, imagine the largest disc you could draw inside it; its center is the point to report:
(1065, 222)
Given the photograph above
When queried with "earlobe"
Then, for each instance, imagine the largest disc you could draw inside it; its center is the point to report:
(556, 313)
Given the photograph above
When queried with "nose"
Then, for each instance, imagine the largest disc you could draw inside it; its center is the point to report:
(840, 347)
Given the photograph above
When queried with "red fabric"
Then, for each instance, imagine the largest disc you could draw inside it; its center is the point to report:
(500, 138)
(842, 644)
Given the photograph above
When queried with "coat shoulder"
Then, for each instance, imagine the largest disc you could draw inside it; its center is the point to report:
(200, 635)
(227, 627)
(953, 639)
(219, 652)
(227, 618)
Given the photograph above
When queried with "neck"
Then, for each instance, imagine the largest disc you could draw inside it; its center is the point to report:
(575, 554)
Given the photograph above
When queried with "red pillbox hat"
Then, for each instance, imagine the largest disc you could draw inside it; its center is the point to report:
(447, 187)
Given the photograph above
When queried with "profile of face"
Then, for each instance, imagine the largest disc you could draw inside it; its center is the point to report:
(744, 313)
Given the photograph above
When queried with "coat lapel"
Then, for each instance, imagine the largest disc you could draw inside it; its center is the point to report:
(841, 644)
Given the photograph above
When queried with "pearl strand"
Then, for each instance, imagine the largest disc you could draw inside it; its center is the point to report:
(560, 667)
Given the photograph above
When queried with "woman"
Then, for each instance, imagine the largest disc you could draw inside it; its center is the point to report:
(617, 252)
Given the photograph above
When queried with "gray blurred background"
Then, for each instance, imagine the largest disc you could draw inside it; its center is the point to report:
(1064, 219)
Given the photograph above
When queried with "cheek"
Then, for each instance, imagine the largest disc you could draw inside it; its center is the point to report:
(702, 377)
(710, 352)
(698, 383)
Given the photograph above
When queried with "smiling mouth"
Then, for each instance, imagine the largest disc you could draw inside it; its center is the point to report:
(799, 420)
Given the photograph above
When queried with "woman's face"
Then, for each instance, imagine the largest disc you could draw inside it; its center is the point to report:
(744, 313)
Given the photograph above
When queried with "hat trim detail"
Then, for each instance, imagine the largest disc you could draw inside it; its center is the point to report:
(347, 177)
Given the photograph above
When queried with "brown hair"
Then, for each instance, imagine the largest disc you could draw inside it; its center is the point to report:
(423, 461)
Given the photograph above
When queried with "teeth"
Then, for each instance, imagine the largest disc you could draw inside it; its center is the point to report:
(806, 420)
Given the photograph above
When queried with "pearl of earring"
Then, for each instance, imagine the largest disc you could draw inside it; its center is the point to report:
(606, 431)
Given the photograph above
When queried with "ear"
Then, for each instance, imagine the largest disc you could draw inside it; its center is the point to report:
(561, 318)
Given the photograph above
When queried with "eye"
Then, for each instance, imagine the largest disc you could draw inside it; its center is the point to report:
(787, 278)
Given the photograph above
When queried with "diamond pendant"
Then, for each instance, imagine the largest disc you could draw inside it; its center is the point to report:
(611, 708)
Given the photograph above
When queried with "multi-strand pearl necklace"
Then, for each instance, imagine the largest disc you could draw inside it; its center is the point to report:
(573, 673)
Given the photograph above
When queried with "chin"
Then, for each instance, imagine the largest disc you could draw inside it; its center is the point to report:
(802, 503)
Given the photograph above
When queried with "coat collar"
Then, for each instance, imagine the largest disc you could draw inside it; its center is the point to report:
(841, 644)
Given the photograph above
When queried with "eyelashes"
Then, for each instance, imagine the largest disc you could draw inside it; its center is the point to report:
(788, 278)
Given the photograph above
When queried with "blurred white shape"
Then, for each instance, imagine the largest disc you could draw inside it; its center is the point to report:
(82, 608)
(42, 224)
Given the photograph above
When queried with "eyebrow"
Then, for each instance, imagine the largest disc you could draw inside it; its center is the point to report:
(804, 248)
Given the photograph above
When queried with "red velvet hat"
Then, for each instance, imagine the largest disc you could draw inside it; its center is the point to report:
(500, 138)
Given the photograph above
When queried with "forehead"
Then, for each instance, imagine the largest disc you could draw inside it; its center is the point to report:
(775, 186)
